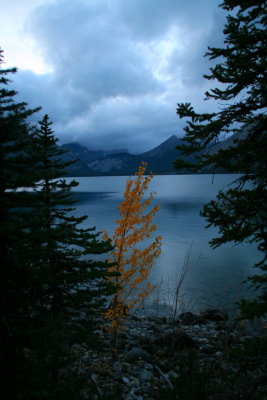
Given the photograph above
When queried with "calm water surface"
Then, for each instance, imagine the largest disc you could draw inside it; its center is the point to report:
(215, 276)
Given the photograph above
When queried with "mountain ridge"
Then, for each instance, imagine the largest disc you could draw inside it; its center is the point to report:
(117, 162)
(160, 159)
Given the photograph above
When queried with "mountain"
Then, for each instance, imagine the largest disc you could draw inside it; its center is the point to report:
(115, 164)
(82, 152)
(160, 159)
(163, 148)
(119, 162)
(85, 154)
(79, 168)
(230, 141)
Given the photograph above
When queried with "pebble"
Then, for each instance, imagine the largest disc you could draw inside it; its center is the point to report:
(125, 380)
(135, 353)
(136, 370)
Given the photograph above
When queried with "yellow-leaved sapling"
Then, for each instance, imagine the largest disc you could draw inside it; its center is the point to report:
(133, 257)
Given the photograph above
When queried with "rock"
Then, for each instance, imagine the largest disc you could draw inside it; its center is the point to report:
(133, 343)
(188, 318)
(173, 374)
(246, 338)
(125, 380)
(214, 315)
(149, 366)
(149, 347)
(203, 340)
(175, 341)
(144, 374)
(135, 382)
(155, 328)
(135, 353)
(133, 396)
(103, 371)
(117, 369)
(134, 317)
(208, 332)
(158, 320)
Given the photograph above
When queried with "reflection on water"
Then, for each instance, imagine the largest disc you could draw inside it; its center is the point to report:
(215, 276)
(178, 207)
(90, 197)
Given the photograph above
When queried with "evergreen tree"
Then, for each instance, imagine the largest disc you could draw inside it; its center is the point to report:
(50, 289)
(16, 171)
(69, 287)
(240, 212)
(65, 246)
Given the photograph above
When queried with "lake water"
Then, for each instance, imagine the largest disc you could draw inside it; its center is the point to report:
(215, 277)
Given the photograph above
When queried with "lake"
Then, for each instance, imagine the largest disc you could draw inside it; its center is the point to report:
(215, 276)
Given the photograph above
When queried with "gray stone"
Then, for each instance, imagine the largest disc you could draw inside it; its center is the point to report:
(125, 380)
(175, 341)
(135, 353)
(117, 369)
(144, 374)
(173, 374)
(149, 366)
(196, 327)
(117, 366)
(214, 315)
(245, 338)
(187, 318)
(132, 395)
(155, 328)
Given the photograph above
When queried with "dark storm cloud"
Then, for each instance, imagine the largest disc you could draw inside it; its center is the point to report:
(150, 19)
(190, 65)
(119, 67)
(132, 123)
(89, 50)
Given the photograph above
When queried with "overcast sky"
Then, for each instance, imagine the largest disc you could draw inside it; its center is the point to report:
(110, 72)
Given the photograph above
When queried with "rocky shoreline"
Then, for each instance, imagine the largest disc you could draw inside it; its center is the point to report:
(197, 356)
